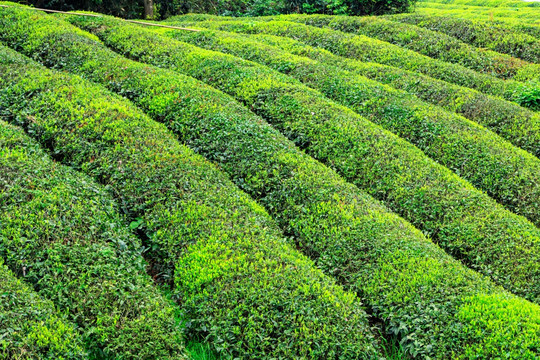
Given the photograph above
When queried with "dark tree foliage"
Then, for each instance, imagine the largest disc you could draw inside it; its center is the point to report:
(165, 8)
(274, 7)
(122, 8)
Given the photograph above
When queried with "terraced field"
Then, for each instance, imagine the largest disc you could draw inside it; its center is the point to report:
(285, 187)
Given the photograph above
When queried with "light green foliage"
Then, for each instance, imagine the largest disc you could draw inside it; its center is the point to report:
(408, 282)
(363, 48)
(30, 327)
(521, 19)
(482, 34)
(464, 221)
(430, 43)
(241, 286)
(516, 124)
(61, 232)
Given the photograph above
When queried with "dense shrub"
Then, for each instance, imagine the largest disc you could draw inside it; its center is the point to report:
(62, 228)
(516, 124)
(503, 39)
(273, 7)
(30, 327)
(429, 300)
(523, 20)
(240, 284)
(430, 43)
(332, 134)
(367, 49)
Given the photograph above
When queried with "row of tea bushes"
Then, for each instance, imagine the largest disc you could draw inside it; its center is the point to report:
(426, 42)
(30, 327)
(376, 161)
(311, 206)
(514, 123)
(367, 49)
(521, 20)
(483, 34)
(240, 284)
(59, 230)
(350, 236)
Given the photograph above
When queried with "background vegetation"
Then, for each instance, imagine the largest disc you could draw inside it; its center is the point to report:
(165, 8)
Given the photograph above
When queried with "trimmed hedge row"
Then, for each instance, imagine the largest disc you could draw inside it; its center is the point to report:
(422, 295)
(519, 19)
(426, 42)
(309, 119)
(486, 3)
(30, 327)
(372, 50)
(241, 285)
(503, 39)
(516, 124)
(62, 228)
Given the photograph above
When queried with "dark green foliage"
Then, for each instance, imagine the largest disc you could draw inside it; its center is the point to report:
(30, 327)
(430, 43)
(59, 230)
(123, 8)
(241, 286)
(274, 7)
(463, 220)
(483, 34)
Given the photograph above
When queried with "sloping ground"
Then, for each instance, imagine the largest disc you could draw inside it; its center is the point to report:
(235, 270)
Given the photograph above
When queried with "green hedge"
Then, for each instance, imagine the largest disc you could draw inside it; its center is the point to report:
(486, 3)
(392, 170)
(519, 19)
(503, 39)
(62, 228)
(426, 42)
(429, 300)
(367, 49)
(516, 124)
(30, 327)
(240, 284)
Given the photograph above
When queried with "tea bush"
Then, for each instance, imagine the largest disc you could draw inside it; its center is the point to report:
(390, 168)
(30, 327)
(241, 286)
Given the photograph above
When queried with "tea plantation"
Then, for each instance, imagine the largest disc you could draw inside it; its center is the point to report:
(289, 186)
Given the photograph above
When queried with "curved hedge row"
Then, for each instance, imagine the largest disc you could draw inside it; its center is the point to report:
(426, 42)
(425, 297)
(30, 327)
(519, 20)
(503, 39)
(62, 228)
(241, 285)
(367, 49)
(309, 119)
(516, 124)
